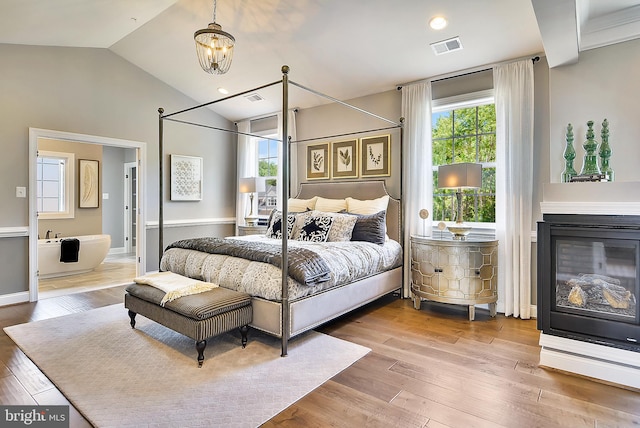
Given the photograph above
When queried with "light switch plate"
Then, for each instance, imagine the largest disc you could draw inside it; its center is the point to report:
(21, 192)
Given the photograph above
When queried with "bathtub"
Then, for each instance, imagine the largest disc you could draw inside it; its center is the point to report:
(93, 250)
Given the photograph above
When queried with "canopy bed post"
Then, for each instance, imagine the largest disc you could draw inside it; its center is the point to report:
(285, 210)
(160, 185)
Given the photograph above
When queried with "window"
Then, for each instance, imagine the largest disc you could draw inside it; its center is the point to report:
(54, 185)
(465, 132)
(268, 170)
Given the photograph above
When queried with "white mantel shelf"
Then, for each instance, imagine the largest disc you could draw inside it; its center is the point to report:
(610, 198)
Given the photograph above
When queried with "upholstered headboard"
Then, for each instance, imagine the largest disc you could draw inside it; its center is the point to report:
(371, 189)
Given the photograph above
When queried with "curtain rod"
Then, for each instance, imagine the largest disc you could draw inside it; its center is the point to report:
(467, 71)
(264, 116)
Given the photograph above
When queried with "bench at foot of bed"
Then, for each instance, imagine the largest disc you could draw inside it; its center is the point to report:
(199, 316)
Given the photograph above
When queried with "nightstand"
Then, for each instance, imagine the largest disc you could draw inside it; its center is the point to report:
(459, 272)
(251, 230)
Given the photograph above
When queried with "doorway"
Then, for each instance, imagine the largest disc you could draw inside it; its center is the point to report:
(134, 217)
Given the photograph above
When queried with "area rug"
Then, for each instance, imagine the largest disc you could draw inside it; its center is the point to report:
(117, 376)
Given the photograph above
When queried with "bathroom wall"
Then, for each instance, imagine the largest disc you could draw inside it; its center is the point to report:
(86, 221)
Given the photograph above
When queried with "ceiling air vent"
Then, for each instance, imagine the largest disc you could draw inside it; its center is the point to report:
(446, 46)
(254, 97)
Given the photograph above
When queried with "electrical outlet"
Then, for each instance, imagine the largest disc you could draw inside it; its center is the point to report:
(21, 192)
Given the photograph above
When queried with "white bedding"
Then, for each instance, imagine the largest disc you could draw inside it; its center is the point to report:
(349, 261)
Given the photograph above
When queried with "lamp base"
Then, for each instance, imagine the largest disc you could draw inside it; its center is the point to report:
(251, 221)
(459, 231)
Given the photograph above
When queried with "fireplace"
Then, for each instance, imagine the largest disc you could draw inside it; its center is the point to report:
(589, 278)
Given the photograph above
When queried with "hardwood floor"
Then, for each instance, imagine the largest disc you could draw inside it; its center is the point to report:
(116, 269)
(427, 368)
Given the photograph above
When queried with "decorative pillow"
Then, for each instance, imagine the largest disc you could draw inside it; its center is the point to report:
(301, 205)
(330, 205)
(315, 228)
(342, 227)
(370, 228)
(275, 224)
(369, 206)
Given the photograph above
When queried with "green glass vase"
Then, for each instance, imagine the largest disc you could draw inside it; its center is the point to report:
(590, 163)
(605, 152)
(569, 155)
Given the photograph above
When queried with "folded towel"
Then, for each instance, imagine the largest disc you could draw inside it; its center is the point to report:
(69, 249)
(174, 285)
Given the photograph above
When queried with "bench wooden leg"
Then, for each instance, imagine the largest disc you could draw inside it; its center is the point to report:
(200, 345)
(132, 315)
(243, 331)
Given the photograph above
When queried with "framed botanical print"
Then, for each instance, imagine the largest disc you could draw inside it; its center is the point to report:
(344, 155)
(89, 182)
(375, 156)
(186, 178)
(318, 161)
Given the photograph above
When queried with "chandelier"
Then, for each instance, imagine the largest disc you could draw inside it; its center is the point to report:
(214, 47)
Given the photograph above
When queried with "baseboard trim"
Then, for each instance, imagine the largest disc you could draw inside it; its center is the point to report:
(587, 359)
(13, 298)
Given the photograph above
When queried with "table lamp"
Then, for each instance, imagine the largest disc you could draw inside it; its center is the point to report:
(460, 176)
(250, 185)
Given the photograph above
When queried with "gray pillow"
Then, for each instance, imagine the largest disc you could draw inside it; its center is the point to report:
(370, 228)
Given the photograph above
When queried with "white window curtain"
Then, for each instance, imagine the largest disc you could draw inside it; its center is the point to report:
(293, 156)
(246, 167)
(417, 176)
(513, 84)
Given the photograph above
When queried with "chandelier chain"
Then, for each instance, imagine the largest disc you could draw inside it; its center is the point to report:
(214, 10)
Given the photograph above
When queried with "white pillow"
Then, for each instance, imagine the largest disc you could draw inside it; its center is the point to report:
(301, 205)
(330, 205)
(369, 206)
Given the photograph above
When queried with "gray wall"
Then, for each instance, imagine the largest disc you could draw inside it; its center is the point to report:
(95, 92)
(335, 119)
(113, 160)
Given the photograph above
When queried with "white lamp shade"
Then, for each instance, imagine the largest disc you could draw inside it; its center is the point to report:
(460, 176)
(251, 184)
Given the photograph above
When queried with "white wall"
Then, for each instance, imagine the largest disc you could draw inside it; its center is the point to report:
(604, 84)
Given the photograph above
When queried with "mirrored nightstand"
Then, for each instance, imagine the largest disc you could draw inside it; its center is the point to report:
(251, 230)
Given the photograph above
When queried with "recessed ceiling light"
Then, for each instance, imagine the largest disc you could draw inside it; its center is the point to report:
(438, 22)
(223, 91)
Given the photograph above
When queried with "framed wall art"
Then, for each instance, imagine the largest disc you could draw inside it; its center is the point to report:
(89, 183)
(345, 159)
(186, 178)
(318, 161)
(375, 156)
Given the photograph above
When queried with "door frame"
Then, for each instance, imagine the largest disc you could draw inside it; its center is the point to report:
(141, 159)
(128, 167)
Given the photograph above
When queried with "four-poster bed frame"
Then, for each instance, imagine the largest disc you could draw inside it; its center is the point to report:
(373, 287)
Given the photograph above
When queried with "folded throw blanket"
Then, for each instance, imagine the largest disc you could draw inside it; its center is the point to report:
(305, 266)
(174, 285)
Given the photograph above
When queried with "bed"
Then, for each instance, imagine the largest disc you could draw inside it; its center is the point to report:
(292, 311)
(313, 304)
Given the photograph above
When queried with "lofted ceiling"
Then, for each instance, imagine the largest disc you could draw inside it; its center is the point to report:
(342, 48)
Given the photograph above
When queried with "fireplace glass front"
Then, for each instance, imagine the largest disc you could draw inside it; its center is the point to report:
(597, 277)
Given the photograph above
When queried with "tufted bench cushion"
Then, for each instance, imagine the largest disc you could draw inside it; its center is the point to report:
(198, 316)
(196, 306)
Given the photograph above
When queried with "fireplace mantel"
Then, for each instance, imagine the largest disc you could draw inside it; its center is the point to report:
(566, 338)
(610, 198)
